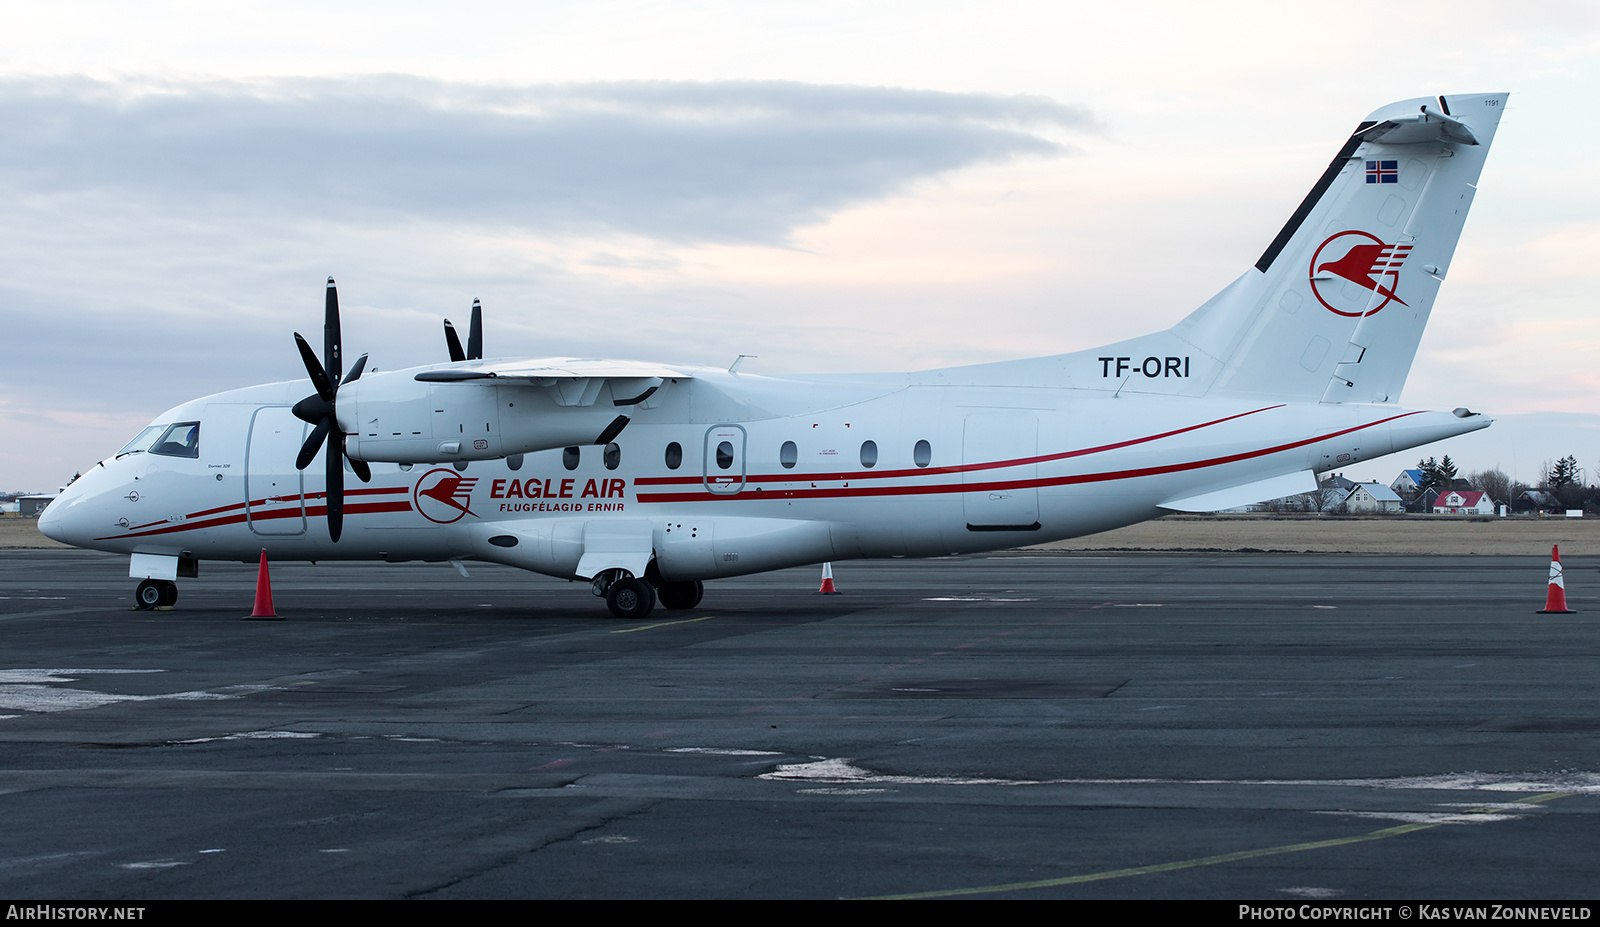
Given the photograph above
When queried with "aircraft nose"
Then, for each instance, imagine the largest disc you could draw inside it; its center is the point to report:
(64, 519)
(52, 524)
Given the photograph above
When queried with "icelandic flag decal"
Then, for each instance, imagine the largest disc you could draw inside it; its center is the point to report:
(1383, 172)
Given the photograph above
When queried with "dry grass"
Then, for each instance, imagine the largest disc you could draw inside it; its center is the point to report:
(16, 532)
(1409, 534)
(1400, 534)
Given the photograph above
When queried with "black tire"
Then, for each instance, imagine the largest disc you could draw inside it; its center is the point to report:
(630, 599)
(169, 593)
(151, 593)
(681, 595)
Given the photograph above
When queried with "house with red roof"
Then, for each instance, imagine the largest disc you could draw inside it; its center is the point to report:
(1463, 502)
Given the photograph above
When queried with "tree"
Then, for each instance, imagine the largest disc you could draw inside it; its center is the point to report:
(1563, 473)
(1565, 480)
(1495, 482)
(1430, 475)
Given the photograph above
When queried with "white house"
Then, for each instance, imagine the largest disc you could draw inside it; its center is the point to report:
(1373, 499)
(1463, 502)
(1408, 483)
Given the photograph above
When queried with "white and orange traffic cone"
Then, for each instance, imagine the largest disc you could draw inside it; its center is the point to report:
(827, 581)
(263, 610)
(1555, 602)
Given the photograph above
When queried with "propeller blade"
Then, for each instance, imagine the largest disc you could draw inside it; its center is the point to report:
(308, 450)
(453, 343)
(330, 333)
(335, 484)
(475, 333)
(314, 368)
(321, 411)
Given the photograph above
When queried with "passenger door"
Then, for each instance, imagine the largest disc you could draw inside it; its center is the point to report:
(274, 490)
(991, 504)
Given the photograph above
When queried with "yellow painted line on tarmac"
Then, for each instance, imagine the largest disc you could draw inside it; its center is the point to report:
(1201, 861)
(663, 624)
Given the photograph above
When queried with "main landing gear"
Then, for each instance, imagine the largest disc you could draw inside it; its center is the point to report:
(633, 599)
(630, 599)
(681, 595)
(155, 593)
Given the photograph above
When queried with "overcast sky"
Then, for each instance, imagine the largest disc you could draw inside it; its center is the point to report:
(832, 187)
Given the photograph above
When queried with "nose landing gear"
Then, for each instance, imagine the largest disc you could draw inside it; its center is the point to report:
(155, 593)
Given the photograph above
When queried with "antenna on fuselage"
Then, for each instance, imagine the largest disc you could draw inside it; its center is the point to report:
(734, 367)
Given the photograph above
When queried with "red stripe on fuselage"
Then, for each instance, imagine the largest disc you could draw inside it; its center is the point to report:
(931, 471)
(939, 488)
(259, 512)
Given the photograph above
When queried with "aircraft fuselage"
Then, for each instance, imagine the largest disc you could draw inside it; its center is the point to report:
(884, 468)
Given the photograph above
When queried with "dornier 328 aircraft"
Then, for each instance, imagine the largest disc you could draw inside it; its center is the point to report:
(648, 479)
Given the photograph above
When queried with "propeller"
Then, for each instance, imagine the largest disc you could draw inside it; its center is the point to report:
(474, 349)
(320, 410)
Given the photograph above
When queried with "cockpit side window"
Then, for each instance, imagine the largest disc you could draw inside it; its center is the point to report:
(141, 441)
(181, 440)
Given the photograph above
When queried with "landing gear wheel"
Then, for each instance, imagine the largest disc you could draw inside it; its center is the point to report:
(630, 599)
(681, 595)
(153, 592)
(169, 593)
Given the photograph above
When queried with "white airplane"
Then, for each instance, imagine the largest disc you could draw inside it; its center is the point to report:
(648, 479)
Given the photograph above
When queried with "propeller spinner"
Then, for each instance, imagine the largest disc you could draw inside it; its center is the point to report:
(320, 410)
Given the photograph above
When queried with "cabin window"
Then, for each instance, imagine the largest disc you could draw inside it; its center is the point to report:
(674, 456)
(725, 454)
(922, 454)
(569, 458)
(788, 455)
(612, 457)
(181, 440)
(869, 454)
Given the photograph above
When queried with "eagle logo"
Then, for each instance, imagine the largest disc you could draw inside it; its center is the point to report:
(1361, 259)
(444, 496)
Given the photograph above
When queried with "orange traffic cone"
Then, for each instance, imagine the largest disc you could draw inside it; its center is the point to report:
(1555, 602)
(827, 581)
(263, 610)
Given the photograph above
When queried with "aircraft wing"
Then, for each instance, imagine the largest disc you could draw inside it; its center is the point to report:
(547, 368)
(574, 381)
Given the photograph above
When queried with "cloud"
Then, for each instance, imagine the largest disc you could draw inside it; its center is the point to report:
(163, 237)
(680, 162)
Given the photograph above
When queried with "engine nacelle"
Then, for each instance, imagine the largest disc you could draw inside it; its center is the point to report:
(392, 417)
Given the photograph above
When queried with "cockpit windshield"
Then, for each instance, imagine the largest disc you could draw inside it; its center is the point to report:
(141, 441)
(180, 440)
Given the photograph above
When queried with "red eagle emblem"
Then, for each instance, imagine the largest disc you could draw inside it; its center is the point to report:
(1360, 258)
(444, 496)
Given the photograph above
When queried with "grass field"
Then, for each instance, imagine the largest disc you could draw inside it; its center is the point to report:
(1409, 534)
(1400, 534)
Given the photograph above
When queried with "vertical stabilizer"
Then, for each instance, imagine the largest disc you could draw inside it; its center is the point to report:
(1334, 309)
